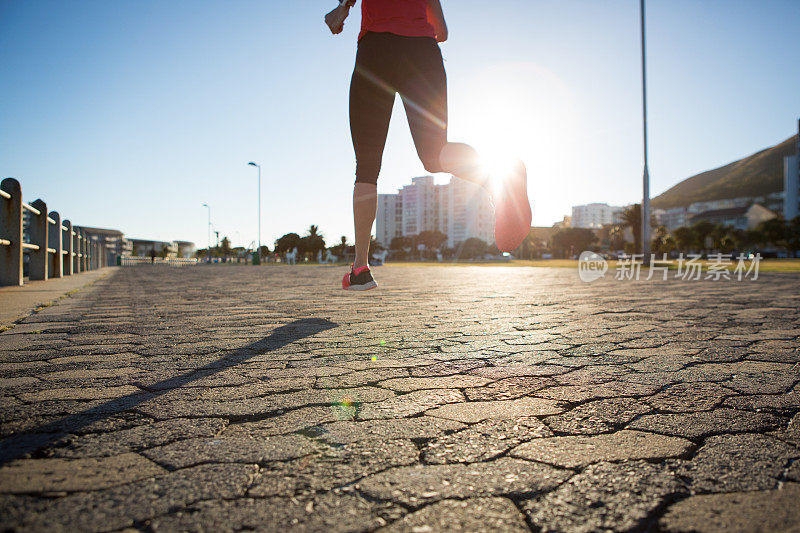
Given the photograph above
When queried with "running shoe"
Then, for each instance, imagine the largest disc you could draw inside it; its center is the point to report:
(512, 210)
(358, 279)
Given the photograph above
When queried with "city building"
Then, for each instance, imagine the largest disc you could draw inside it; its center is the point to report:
(458, 209)
(112, 240)
(186, 249)
(737, 217)
(143, 247)
(595, 215)
(470, 213)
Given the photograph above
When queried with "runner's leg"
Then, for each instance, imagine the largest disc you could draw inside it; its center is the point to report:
(371, 102)
(424, 92)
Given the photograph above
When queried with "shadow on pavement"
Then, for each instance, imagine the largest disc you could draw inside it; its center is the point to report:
(22, 444)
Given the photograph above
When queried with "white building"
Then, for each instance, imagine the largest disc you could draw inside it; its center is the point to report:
(470, 213)
(594, 215)
(459, 209)
(389, 220)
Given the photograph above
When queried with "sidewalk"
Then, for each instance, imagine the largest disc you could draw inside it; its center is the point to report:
(18, 302)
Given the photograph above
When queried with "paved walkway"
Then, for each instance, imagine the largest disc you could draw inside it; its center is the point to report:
(19, 302)
(221, 398)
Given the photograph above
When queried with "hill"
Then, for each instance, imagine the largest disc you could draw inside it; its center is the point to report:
(755, 175)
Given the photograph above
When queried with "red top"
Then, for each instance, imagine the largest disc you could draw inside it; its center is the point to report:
(401, 17)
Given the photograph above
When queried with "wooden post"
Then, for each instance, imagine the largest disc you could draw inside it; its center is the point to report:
(11, 230)
(38, 232)
(56, 263)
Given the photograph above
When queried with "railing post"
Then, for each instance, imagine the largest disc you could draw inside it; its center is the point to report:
(11, 230)
(76, 251)
(84, 250)
(68, 248)
(56, 263)
(38, 265)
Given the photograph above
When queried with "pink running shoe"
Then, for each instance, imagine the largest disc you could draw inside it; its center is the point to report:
(512, 210)
(359, 279)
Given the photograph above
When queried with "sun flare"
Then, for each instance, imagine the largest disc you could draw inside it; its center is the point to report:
(516, 111)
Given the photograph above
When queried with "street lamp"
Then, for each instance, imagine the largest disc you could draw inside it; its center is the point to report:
(646, 174)
(209, 230)
(252, 164)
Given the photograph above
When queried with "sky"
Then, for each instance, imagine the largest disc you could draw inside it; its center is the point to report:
(132, 115)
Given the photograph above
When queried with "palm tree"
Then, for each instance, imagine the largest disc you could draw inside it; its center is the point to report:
(632, 217)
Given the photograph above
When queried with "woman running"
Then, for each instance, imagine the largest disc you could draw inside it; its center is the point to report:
(398, 52)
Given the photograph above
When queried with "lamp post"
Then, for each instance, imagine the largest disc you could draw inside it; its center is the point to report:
(646, 174)
(209, 231)
(252, 164)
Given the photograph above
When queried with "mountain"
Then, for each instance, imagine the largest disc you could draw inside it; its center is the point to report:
(755, 175)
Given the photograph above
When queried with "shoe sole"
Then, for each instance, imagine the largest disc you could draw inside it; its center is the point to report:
(364, 287)
(512, 232)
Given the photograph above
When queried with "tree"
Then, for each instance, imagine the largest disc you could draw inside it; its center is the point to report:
(793, 236)
(632, 218)
(570, 241)
(616, 237)
(702, 231)
(432, 240)
(684, 238)
(775, 232)
(226, 246)
(287, 243)
(471, 248)
(314, 241)
(340, 248)
(401, 243)
(663, 243)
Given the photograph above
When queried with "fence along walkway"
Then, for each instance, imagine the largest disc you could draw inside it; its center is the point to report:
(131, 260)
(56, 249)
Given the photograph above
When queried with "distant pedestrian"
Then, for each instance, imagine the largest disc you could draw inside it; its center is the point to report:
(398, 53)
(152, 255)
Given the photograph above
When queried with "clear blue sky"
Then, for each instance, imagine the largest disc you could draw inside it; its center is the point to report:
(131, 115)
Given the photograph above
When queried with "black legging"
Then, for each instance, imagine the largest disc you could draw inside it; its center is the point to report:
(412, 66)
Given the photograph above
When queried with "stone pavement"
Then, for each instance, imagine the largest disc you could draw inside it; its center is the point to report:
(225, 398)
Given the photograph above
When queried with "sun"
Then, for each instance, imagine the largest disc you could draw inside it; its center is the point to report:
(517, 110)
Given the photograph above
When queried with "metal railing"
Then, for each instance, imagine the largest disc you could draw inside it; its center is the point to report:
(131, 260)
(56, 249)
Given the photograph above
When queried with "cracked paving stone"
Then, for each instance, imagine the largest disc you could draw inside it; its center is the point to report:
(604, 497)
(705, 423)
(164, 408)
(471, 412)
(483, 441)
(410, 404)
(487, 515)
(728, 463)
(190, 452)
(782, 403)
(70, 475)
(137, 438)
(599, 416)
(329, 512)
(288, 422)
(417, 485)
(332, 467)
(122, 506)
(768, 510)
(509, 389)
(445, 382)
(574, 451)
(689, 397)
(420, 427)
